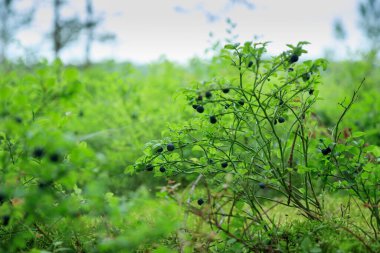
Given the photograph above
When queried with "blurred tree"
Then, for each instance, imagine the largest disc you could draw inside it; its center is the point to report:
(11, 20)
(91, 23)
(90, 27)
(247, 3)
(65, 31)
(369, 11)
(339, 30)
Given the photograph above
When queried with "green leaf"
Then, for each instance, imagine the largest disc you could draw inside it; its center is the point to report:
(229, 46)
(358, 134)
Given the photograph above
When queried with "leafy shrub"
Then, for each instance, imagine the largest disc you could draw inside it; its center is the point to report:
(253, 142)
(65, 138)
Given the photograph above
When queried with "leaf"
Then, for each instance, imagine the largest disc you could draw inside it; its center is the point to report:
(229, 46)
(358, 134)
(290, 46)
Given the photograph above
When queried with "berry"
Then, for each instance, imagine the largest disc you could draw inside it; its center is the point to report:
(291, 69)
(18, 119)
(54, 157)
(281, 120)
(250, 63)
(306, 77)
(44, 184)
(200, 201)
(159, 150)
(38, 152)
(226, 90)
(3, 198)
(200, 109)
(262, 185)
(5, 219)
(311, 91)
(208, 94)
(149, 167)
(241, 102)
(170, 147)
(199, 98)
(326, 151)
(224, 164)
(162, 169)
(293, 58)
(213, 119)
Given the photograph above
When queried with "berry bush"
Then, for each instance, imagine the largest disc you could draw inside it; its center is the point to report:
(255, 144)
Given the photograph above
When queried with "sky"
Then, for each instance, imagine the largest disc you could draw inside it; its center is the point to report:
(180, 29)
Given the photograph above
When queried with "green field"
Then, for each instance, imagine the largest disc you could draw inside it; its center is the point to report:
(246, 152)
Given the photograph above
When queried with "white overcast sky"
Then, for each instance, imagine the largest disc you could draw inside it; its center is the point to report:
(179, 29)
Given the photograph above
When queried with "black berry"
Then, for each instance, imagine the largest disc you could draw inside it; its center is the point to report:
(170, 147)
(44, 184)
(199, 98)
(291, 69)
(226, 90)
(200, 202)
(200, 109)
(3, 198)
(326, 151)
(224, 164)
(213, 119)
(281, 120)
(262, 185)
(38, 152)
(55, 157)
(149, 167)
(159, 150)
(293, 58)
(208, 94)
(241, 102)
(5, 219)
(306, 77)
(162, 169)
(311, 91)
(250, 63)
(18, 120)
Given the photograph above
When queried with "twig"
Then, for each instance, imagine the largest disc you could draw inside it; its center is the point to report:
(346, 108)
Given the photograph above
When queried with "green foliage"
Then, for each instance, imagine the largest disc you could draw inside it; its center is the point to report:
(252, 141)
(364, 115)
(249, 158)
(65, 138)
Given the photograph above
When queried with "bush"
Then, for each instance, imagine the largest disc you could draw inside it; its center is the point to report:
(256, 143)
